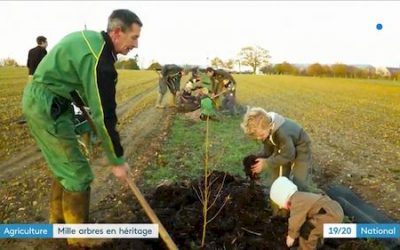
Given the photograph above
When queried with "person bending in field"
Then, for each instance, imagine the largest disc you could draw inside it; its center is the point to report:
(170, 78)
(223, 89)
(308, 213)
(286, 146)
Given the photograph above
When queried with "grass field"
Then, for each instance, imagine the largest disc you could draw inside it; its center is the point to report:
(354, 126)
(182, 157)
(346, 107)
(14, 137)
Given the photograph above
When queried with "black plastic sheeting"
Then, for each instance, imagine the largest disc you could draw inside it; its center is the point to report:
(361, 212)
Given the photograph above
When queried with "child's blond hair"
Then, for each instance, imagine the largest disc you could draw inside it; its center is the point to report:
(255, 119)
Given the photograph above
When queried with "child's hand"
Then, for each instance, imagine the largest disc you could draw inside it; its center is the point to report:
(289, 241)
(258, 167)
(248, 162)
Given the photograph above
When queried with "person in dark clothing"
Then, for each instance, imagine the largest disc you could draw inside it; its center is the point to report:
(36, 54)
(223, 89)
(170, 78)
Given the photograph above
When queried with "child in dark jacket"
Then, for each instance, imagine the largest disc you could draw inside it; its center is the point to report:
(286, 146)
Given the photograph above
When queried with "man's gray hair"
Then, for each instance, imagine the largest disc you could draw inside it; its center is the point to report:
(122, 18)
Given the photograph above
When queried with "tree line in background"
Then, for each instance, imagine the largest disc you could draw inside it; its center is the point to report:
(257, 58)
(254, 57)
(125, 63)
(128, 63)
(8, 62)
(316, 69)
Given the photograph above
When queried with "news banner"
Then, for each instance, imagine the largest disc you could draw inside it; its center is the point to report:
(31, 231)
(376, 231)
(148, 231)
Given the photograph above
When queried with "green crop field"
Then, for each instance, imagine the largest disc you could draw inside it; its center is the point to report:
(14, 137)
(354, 123)
(354, 126)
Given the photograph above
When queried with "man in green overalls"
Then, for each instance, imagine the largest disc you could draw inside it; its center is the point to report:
(83, 63)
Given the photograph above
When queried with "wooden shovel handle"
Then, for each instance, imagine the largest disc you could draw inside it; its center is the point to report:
(152, 216)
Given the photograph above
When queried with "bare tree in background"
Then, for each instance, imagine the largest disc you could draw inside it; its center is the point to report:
(8, 62)
(229, 64)
(254, 57)
(217, 63)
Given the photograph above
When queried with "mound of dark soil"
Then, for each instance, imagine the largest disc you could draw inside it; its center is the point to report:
(243, 220)
(242, 217)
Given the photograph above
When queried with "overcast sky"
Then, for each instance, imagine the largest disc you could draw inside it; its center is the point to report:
(189, 32)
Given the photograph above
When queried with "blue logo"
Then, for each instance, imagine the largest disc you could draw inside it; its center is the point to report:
(30, 231)
(379, 26)
(378, 231)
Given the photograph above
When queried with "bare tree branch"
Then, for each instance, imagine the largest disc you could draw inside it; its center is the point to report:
(227, 198)
(218, 193)
(252, 232)
(198, 196)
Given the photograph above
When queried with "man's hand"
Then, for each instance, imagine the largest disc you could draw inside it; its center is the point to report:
(289, 241)
(258, 167)
(120, 171)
